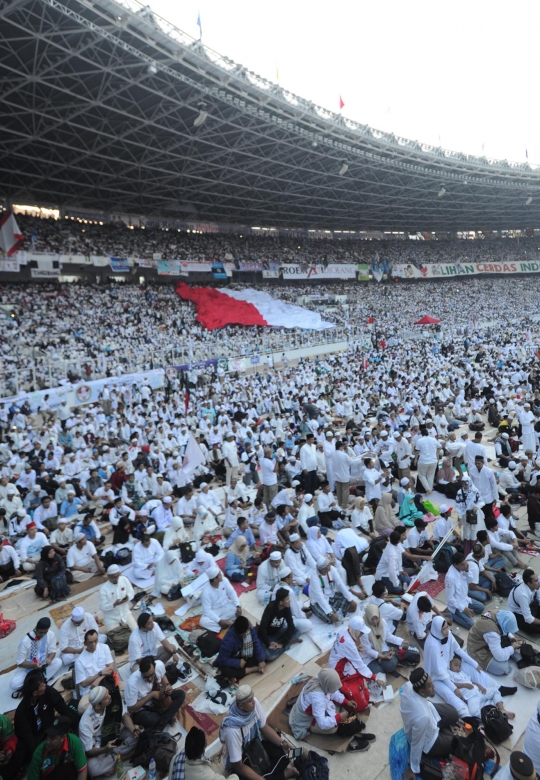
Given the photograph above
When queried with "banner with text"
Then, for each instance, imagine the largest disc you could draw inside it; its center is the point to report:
(445, 270)
(319, 271)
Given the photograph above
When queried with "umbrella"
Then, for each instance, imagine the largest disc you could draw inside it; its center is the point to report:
(427, 320)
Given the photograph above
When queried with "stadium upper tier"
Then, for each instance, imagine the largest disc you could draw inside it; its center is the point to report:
(104, 105)
(119, 240)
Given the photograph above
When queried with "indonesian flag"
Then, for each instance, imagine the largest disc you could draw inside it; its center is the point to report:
(217, 308)
(11, 238)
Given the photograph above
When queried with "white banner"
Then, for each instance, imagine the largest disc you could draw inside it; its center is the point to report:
(9, 266)
(319, 271)
(445, 270)
(145, 263)
(45, 273)
(192, 266)
(270, 274)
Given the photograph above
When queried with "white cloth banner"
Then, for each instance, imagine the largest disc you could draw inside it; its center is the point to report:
(319, 271)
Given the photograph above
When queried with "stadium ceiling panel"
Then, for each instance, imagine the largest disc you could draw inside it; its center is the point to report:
(106, 106)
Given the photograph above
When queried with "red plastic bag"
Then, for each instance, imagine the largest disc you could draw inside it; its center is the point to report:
(6, 626)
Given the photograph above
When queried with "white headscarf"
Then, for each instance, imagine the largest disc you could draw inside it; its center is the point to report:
(317, 547)
(438, 652)
(169, 572)
(175, 533)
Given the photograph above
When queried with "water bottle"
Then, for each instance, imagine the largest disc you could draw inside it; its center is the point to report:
(152, 769)
(143, 605)
(119, 766)
(266, 598)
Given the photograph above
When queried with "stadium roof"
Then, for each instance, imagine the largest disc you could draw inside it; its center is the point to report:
(106, 106)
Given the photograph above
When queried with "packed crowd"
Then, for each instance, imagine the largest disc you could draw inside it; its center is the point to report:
(116, 239)
(65, 333)
(315, 466)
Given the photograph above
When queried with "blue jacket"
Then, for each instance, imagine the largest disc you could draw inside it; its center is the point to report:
(231, 647)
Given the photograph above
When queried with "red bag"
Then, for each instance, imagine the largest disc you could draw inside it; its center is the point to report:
(6, 626)
(355, 688)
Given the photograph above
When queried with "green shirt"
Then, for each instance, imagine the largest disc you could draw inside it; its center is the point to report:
(71, 752)
(6, 728)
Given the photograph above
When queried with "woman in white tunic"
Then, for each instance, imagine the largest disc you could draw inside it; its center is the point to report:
(169, 572)
(468, 498)
(175, 535)
(439, 649)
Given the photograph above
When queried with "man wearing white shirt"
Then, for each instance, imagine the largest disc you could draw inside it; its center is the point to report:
(83, 560)
(230, 454)
(428, 449)
(473, 449)
(208, 499)
(462, 607)
(162, 515)
(149, 639)
(30, 547)
(329, 597)
(299, 560)
(94, 663)
(72, 633)
(426, 725)
(142, 692)
(36, 649)
(390, 567)
(220, 604)
(114, 598)
(308, 461)
(403, 455)
(47, 512)
(484, 481)
(341, 466)
(372, 480)
(269, 467)
(146, 555)
(524, 602)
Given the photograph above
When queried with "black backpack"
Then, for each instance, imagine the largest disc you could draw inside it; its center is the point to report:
(209, 644)
(504, 583)
(313, 767)
(472, 751)
(496, 726)
(374, 554)
(187, 553)
(443, 559)
(157, 745)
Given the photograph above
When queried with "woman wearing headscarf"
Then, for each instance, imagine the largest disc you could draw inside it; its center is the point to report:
(409, 511)
(424, 505)
(375, 648)
(468, 500)
(439, 649)
(205, 523)
(492, 642)
(385, 519)
(346, 659)
(40, 705)
(362, 517)
(191, 763)
(314, 711)
(446, 474)
(319, 545)
(50, 575)
(175, 535)
(348, 549)
(237, 566)
(169, 572)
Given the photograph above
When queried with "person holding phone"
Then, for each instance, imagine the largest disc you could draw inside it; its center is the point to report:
(101, 750)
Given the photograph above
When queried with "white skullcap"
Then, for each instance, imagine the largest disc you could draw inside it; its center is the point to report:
(275, 556)
(505, 436)
(397, 434)
(295, 483)
(77, 613)
(408, 435)
(213, 572)
(404, 481)
(465, 478)
(167, 500)
(322, 562)
(329, 434)
(243, 693)
(80, 537)
(444, 508)
(21, 512)
(512, 464)
(97, 694)
(143, 512)
(203, 485)
(294, 537)
(285, 572)
(308, 497)
(384, 433)
(113, 569)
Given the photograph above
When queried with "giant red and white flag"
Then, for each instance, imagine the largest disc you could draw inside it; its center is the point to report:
(11, 238)
(217, 308)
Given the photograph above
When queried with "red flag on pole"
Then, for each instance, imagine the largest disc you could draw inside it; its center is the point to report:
(341, 103)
